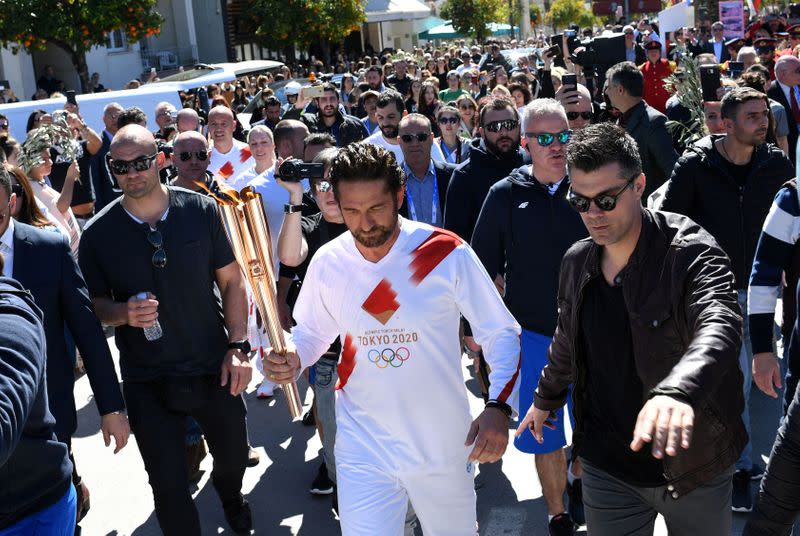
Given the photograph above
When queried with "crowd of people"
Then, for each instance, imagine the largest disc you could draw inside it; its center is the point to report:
(539, 216)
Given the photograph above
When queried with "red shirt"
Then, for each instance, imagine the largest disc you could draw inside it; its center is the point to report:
(654, 92)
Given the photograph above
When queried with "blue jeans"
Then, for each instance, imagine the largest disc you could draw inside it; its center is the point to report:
(55, 520)
(325, 396)
(745, 461)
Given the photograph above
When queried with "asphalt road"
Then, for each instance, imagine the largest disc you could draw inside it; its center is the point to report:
(509, 494)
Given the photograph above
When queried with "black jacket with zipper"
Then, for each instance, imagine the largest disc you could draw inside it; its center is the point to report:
(702, 189)
(522, 233)
(686, 328)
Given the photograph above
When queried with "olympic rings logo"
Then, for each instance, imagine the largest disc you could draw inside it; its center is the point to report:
(389, 357)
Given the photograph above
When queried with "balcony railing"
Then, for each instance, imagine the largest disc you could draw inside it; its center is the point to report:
(167, 59)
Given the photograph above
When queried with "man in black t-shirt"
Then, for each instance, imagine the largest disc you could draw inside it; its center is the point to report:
(170, 245)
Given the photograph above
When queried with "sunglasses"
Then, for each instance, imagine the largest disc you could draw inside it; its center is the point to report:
(546, 139)
(4, 126)
(159, 259)
(760, 50)
(497, 126)
(322, 187)
(143, 163)
(466, 106)
(605, 202)
(446, 120)
(572, 116)
(185, 156)
(420, 137)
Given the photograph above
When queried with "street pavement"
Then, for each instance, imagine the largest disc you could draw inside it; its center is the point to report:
(510, 502)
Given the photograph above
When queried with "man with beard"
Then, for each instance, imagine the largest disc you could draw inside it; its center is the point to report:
(345, 128)
(374, 77)
(727, 184)
(389, 111)
(399, 80)
(493, 156)
(398, 322)
(230, 158)
(534, 198)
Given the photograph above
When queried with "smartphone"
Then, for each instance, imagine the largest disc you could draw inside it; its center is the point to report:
(735, 68)
(710, 82)
(553, 51)
(70, 93)
(570, 33)
(152, 69)
(570, 80)
(313, 92)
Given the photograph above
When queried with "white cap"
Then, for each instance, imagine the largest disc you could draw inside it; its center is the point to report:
(292, 88)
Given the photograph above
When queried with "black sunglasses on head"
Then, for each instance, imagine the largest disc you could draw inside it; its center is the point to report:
(497, 126)
(420, 137)
(185, 156)
(121, 167)
(605, 202)
(159, 259)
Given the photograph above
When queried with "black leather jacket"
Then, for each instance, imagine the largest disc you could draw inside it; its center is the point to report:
(686, 328)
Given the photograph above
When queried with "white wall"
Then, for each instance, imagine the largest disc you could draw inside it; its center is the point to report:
(18, 70)
(115, 68)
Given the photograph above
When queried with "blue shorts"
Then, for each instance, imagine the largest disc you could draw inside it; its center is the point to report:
(534, 358)
(57, 519)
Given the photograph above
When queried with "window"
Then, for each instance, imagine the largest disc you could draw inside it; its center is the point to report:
(117, 41)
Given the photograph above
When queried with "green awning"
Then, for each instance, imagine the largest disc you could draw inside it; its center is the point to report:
(446, 31)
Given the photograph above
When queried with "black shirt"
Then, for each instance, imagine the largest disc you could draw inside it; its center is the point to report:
(402, 85)
(739, 173)
(615, 394)
(83, 191)
(115, 258)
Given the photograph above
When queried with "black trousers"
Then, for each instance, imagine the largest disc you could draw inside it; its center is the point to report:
(157, 411)
(778, 501)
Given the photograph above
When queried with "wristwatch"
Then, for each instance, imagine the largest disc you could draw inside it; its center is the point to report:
(242, 346)
(502, 406)
(288, 208)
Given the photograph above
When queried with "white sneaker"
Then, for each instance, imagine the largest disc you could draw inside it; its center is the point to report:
(265, 390)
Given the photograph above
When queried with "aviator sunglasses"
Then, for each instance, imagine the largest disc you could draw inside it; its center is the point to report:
(605, 202)
(143, 163)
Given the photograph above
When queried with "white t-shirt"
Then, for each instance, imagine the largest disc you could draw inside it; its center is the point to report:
(231, 165)
(65, 221)
(401, 398)
(380, 140)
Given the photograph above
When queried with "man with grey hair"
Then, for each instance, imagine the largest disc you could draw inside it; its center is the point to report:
(525, 265)
(784, 89)
(426, 179)
(165, 117)
(105, 186)
(748, 56)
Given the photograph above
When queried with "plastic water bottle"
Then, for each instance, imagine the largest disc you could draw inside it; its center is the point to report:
(153, 333)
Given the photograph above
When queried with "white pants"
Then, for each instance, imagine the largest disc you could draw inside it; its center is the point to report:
(374, 501)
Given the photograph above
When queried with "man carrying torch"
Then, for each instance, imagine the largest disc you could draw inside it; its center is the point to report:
(394, 290)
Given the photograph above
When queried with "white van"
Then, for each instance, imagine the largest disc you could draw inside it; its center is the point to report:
(145, 97)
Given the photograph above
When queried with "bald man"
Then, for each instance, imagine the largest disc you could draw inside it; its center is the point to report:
(187, 120)
(230, 158)
(578, 105)
(190, 157)
(159, 254)
(289, 135)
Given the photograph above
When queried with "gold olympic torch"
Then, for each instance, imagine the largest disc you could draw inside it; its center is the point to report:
(247, 227)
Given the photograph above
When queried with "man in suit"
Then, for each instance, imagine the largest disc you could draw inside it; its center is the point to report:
(41, 260)
(784, 89)
(648, 126)
(717, 45)
(105, 188)
(426, 180)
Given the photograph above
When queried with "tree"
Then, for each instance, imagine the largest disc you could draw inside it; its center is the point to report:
(75, 26)
(535, 13)
(471, 17)
(565, 12)
(303, 22)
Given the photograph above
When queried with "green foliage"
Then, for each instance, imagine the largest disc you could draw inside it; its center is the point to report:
(690, 94)
(471, 17)
(281, 22)
(565, 12)
(535, 13)
(74, 25)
